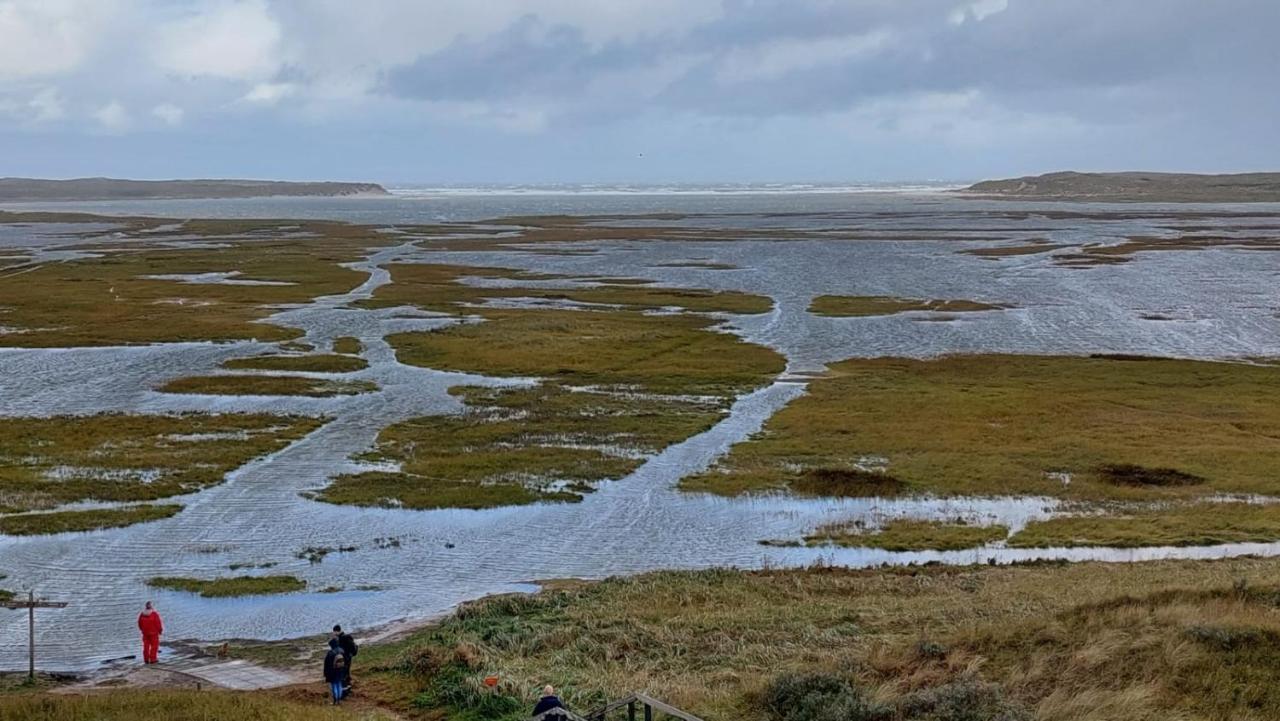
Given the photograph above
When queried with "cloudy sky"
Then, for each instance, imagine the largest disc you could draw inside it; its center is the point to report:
(465, 91)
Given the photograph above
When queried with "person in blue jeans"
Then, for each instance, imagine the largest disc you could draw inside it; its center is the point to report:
(335, 669)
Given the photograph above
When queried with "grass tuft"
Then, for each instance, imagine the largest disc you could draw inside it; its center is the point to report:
(230, 587)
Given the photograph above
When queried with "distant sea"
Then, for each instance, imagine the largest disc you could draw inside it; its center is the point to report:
(442, 203)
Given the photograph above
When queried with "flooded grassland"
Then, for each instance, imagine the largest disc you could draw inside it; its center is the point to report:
(453, 409)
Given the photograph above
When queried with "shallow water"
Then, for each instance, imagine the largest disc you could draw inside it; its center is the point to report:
(1225, 303)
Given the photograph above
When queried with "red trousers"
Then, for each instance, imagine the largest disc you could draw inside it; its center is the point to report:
(150, 647)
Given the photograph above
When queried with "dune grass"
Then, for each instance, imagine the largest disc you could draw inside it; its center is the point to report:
(108, 300)
(909, 535)
(45, 462)
(1048, 638)
(176, 705)
(848, 306)
(320, 363)
(520, 445)
(230, 587)
(1195, 524)
(255, 385)
(33, 524)
(1121, 429)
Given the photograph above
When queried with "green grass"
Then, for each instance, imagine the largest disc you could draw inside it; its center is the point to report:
(33, 524)
(176, 705)
(1124, 429)
(848, 306)
(230, 587)
(323, 363)
(909, 535)
(45, 462)
(347, 345)
(521, 445)
(1198, 524)
(254, 385)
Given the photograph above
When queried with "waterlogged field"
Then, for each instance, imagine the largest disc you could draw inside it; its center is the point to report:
(377, 420)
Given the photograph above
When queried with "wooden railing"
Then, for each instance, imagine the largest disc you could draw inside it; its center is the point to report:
(634, 704)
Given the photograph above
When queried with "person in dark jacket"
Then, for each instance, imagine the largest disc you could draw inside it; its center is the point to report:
(349, 647)
(335, 669)
(548, 701)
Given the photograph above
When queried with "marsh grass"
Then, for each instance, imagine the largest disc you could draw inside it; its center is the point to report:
(520, 445)
(848, 306)
(45, 462)
(1185, 524)
(108, 300)
(32, 524)
(347, 345)
(441, 288)
(230, 587)
(322, 363)
(663, 354)
(848, 482)
(1001, 425)
(909, 535)
(255, 385)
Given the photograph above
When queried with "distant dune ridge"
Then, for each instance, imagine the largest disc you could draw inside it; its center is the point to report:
(1135, 186)
(32, 189)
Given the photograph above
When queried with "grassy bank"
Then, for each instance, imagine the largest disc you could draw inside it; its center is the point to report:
(32, 524)
(254, 385)
(1050, 641)
(230, 587)
(1079, 428)
(45, 462)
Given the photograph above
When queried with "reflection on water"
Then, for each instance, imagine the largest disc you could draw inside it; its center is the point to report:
(1226, 303)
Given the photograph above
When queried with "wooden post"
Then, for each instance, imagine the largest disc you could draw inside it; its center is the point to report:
(648, 712)
(631, 711)
(31, 604)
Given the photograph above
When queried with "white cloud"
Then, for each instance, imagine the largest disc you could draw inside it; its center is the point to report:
(169, 113)
(234, 39)
(978, 11)
(46, 106)
(40, 38)
(113, 117)
(270, 93)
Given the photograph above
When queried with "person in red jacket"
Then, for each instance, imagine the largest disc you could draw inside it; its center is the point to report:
(151, 626)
